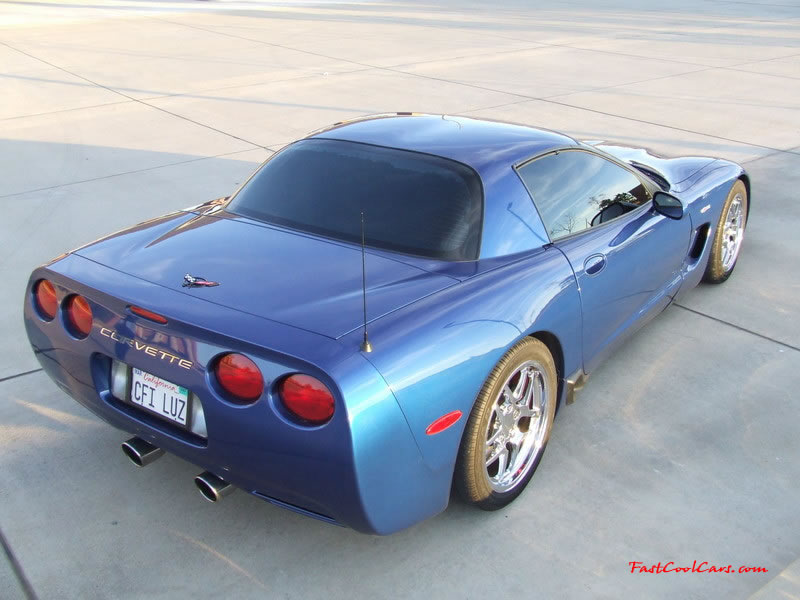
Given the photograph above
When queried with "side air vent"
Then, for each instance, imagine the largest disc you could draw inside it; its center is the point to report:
(700, 238)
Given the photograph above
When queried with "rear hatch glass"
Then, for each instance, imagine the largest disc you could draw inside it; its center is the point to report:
(413, 203)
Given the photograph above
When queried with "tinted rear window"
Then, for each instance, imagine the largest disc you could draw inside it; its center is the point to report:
(413, 203)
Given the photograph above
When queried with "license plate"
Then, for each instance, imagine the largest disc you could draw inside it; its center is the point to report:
(162, 397)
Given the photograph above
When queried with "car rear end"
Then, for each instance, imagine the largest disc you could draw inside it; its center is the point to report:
(157, 362)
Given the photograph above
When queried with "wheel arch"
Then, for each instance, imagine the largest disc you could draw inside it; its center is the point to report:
(745, 179)
(553, 344)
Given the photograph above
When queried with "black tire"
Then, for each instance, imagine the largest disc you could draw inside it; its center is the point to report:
(717, 270)
(472, 475)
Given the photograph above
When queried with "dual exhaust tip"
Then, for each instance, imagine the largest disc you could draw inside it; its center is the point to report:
(212, 487)
(142, 453)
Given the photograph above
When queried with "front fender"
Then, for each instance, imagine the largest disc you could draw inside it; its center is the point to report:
(704, 197)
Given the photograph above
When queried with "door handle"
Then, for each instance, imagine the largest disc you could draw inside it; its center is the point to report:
(594, 264)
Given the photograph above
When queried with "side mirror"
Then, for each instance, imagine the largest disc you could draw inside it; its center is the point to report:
(667, 205)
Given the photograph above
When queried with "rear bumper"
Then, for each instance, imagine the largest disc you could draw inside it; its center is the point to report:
(363, 469)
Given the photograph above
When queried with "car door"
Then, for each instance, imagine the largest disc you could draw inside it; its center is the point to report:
(626, 257)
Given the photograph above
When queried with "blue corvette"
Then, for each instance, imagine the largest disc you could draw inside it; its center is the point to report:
(389, 309)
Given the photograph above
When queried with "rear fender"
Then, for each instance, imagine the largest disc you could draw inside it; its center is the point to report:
(436, 354)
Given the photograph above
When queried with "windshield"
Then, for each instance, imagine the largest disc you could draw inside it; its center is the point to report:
(413, 203)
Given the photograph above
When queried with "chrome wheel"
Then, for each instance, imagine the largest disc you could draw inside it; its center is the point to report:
(517, 428)
(732, 233)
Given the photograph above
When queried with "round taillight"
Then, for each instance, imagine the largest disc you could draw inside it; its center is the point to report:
(307, 398)
(240, 378)
(46, 301)
(79, 316)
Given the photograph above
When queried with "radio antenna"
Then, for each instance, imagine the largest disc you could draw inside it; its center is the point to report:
(365, 345)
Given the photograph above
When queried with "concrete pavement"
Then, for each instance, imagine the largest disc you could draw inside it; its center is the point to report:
(682, 447)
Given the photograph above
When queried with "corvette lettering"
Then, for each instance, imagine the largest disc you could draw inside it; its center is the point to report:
(146, 348)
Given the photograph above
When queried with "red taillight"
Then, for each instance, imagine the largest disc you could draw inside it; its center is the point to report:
(307, 398)
(46, 301)
(240, 377)
(79, 316)
(148, 314)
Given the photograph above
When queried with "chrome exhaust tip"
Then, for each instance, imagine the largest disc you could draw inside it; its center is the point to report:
(212, 487)
(141, 453)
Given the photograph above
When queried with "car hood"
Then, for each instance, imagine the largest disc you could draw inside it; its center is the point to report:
(678, 172)
(278, 274)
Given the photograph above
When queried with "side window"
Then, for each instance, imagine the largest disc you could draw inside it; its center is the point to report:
(575, 190)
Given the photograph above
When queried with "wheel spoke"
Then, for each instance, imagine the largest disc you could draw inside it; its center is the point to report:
(525, 400)
(508, 393)
(522, 380)
(537, 397)
(531, 412)
(502, 462)
(493, 438)
(493, 453)
(522, 384)
(515, 448)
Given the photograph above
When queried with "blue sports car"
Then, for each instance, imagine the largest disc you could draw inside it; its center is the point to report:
(387, 310)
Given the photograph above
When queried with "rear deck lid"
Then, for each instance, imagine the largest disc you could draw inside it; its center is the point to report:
(294, 278)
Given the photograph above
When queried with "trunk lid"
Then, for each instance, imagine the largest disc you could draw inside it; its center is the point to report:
(278, 274)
